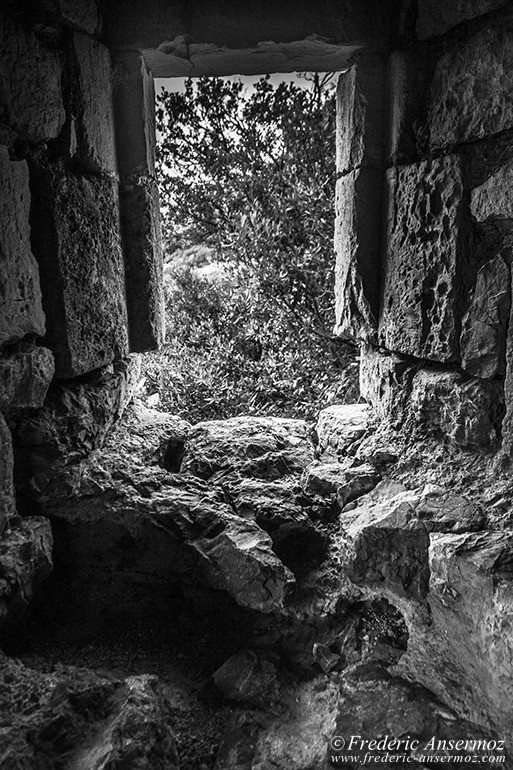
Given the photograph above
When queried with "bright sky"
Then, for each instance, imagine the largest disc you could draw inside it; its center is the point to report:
(178, 84)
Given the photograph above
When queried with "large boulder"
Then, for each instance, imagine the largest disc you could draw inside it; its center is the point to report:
(339, 426)
(134, 527)
(7, 498)
(264, 447)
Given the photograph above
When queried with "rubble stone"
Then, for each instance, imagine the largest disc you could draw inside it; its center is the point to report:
(7, 498)
(339, 426)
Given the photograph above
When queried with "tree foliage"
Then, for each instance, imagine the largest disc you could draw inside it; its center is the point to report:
(251, 176)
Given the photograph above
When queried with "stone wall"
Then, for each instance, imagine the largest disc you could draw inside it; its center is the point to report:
(431, 231)
(69, 271)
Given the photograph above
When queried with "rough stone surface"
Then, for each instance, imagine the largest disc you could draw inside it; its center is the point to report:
(424, 268)
(73, 717)
(437, 16)
(93, 107)
(21, 312)
(264, 447)
(492, 198)
(385, 382)
(79, 14)
(73, 421)
(142, 248)
(340, 426)
(25, 378)
(76, 240)
(134, 109)
(360, 115)
(465, 410)
(464, 655)
(127, 530)
(348, 481)
(25, 561)
(472, 89)
(484, 326)
(245, 678)
(374, 704)
(384, 545)
(358, 217)
(7, 498)
(30, 84)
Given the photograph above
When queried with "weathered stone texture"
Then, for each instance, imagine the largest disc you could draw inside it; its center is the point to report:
(465, 410)
(76, 239)
(492, 199)
(483, 336)
(357, 246)
(95, 721)
(142, 248)
(424, 270)
(7, 498)
(24, 379)
(360, 115)
(263, 447)
(472, 89)
(385, 382)
(134, 109)
(73, 421)
(92, 97)
(465, 654)
(30, 84)
(21, 312)
(437, 16)
(25, 561)
(339, 426)
(79, 14)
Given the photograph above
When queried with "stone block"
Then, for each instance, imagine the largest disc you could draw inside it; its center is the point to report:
(434, 17)
(21, 312)
(30, 84)
(484, 326)
(425, 269)
(339, 426)
(73, 421)
(77, 241)
(465, 410)
(24, 379)
(134, 110)
(25, 561)
(79, 14)
(358, 222)
(360, 114)
(385, 382)
(384, 543)
(471, 93)
(92, 105)
(142, 249)
(7, 497)
(492, 199)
